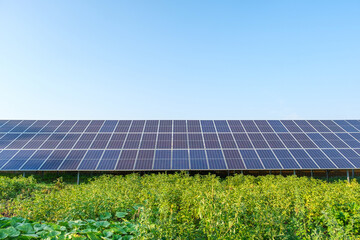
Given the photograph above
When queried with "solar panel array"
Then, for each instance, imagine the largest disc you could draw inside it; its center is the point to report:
(144, 145)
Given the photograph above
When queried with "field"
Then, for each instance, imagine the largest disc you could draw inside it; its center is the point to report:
(179, 206)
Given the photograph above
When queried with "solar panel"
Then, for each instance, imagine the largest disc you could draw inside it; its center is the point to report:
(144, 145)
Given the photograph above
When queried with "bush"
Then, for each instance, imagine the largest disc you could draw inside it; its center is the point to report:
(179, 206)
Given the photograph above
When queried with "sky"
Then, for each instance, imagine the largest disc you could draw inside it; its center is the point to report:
(177, 59)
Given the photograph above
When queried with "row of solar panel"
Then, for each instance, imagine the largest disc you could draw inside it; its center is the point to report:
(178, 140)
(196, 126)
(178, 159)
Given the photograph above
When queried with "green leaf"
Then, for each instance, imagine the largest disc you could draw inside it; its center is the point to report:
(25, 228)
(93, 236)
(103, 224)
(107, 233)
(105, 216)
(121, 214)
(12, 232)
(3, 234)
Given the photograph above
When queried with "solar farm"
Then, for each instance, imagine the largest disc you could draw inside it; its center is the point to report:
(179, 179)
(175, 145)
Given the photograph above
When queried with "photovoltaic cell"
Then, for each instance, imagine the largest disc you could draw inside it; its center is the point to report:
(207, 126)
(354, 123)
(5, 156)
(55, 160)
(242, 140)
(263, 126)
(194, 126)
(286, 159)
(145, 159)
(109, 126)
(90, 160)
(304, 140)
(216, 159)
(352, 156)
(180, 126)
(319, 140)
(151, 126)
(127, 160)
(211, 140)
(305, 126)
(164, 141)
(291, 126)
(273, 140)
(320, 158)
(277, 126)
(18, 160)
(233, 159)
(349, 140)
(346, 126)
(123, 126)
(73, 160)
(258, 140)
(318, 126)
(268, 159)
(165, 126)
(80, 126)
(227, 141)
(303, 159)
(198, 160)
(180, 159)
(332, 126)
(249, 126)
(36, 160)
(221, 126)
(23, 126)
(162, 159)
(289, 140)
(109, 160)
(337, 158)
(334, 140)
(251, 159)
(196, 141)
(236, 126)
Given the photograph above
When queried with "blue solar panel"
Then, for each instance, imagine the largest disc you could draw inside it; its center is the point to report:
(162, 160)
(145, 160)
(221, 126)
(303, 159)
(216, 159)
(91, 160)
(233, 159)
(144, 145)
(198, 159)
(269, 159)
(180, 159)
(277, 126)
(207, 126)
(251, 159)
(286, 159)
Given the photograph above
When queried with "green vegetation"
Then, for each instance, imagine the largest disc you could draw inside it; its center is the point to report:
(179, 206)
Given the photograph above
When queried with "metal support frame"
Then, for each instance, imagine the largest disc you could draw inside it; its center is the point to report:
(327, 175)
(294, 173)
(348, 176)
(78, 178)
(23, 174)
(352, 173)
(312, 173)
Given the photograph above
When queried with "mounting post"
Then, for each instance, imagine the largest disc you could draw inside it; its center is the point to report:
(269, 172)
(312, 173)
(327, 175)
(294, 173)
(348, 177)
(23, 174)
(242, 172)
(352, 173)
(280, 172)
(78, 178)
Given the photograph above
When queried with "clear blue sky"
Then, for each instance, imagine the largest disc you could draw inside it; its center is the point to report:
(180, 59)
